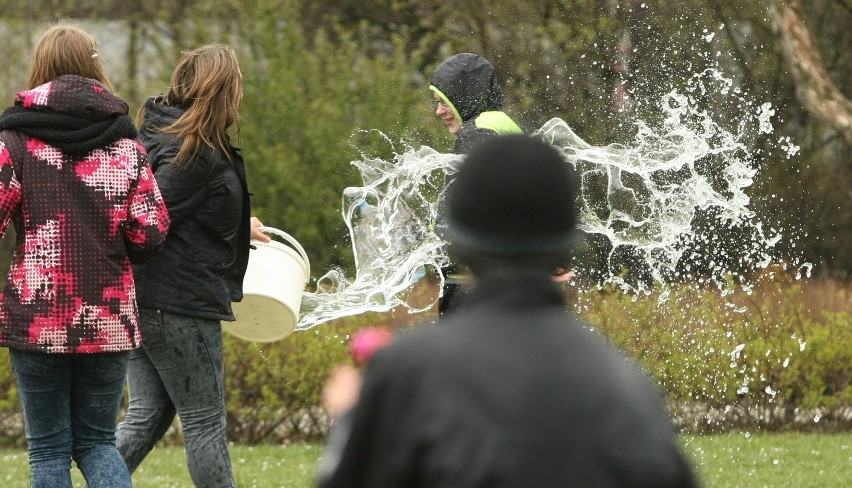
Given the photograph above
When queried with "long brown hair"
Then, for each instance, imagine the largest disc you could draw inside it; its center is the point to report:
(208, 85)
(65, 49)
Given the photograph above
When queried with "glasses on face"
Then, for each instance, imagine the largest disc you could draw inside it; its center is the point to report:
(439, 103)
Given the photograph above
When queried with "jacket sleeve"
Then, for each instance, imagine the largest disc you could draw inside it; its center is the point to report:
(10, 188)
(147, 217)
(345, 460)
(183, 189)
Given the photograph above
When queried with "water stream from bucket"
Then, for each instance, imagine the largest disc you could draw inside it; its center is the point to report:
(643, 197)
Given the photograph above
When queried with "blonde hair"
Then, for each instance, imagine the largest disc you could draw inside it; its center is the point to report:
(208, 85)
(65, 49)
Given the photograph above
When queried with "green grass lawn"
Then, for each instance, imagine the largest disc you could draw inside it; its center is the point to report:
(772, 460)
(729, 460)
(291, 466)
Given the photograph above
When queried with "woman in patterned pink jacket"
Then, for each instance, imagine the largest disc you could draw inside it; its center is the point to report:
(76, 184)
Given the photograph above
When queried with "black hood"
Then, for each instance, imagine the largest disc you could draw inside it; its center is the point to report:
(469, 83)
(73, 113)
(161, 147)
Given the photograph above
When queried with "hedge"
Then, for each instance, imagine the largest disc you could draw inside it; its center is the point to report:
(777, 356)
(774, 357)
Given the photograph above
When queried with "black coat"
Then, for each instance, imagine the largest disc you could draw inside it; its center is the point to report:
(511, 391)
(200, 271)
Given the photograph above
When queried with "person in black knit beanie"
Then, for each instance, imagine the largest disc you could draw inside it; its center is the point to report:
(511, 389)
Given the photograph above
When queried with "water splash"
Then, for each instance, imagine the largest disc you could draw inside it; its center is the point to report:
(643, 198)
(391, 222)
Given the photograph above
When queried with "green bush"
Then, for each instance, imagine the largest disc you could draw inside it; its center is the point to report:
(777, 357)
(274, 390)
(314, 102)
(751, 359)
(11, 425)
(754, 358)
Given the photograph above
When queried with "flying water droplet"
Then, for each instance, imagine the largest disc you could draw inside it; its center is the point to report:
(735, 355)
(641, 197)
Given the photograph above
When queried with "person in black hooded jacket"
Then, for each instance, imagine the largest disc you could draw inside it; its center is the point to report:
(186, 291)
(469, 100)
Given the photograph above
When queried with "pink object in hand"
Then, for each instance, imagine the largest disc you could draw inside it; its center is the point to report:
(367, 341)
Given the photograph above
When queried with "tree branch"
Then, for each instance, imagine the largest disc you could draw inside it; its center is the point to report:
(737, 51)
(847, 4)
(814, 88)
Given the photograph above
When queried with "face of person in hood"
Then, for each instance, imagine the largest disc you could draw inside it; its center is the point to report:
(468, 82)
(446, 115)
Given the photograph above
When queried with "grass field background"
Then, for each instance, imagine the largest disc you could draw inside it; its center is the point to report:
(722, 461)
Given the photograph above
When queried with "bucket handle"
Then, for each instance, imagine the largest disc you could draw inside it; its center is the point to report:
(290, 240)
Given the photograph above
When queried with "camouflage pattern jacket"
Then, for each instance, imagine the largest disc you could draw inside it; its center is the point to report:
(77, 186)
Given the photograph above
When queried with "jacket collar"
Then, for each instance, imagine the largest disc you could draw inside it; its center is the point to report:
(520, 291)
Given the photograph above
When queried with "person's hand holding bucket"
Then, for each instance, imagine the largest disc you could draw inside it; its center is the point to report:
(256, 234)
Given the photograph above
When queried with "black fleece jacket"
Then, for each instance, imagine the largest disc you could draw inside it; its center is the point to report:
(511, 391)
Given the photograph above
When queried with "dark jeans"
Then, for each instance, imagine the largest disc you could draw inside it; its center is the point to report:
(71, 404)
(179, 368)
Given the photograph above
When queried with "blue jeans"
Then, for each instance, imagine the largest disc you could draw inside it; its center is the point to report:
(179, 369)
(71, 404)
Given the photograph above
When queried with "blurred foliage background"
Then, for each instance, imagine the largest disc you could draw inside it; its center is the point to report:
(329, 81)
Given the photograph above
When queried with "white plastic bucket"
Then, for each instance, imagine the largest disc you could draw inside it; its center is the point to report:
(272, 290)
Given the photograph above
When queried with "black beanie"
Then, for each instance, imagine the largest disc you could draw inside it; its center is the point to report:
(514, 195)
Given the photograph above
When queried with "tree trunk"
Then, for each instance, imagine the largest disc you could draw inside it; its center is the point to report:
(814, 88)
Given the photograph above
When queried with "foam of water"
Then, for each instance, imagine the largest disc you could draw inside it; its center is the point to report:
(642, 196)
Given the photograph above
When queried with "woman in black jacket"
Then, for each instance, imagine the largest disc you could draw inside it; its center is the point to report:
(187, 290)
